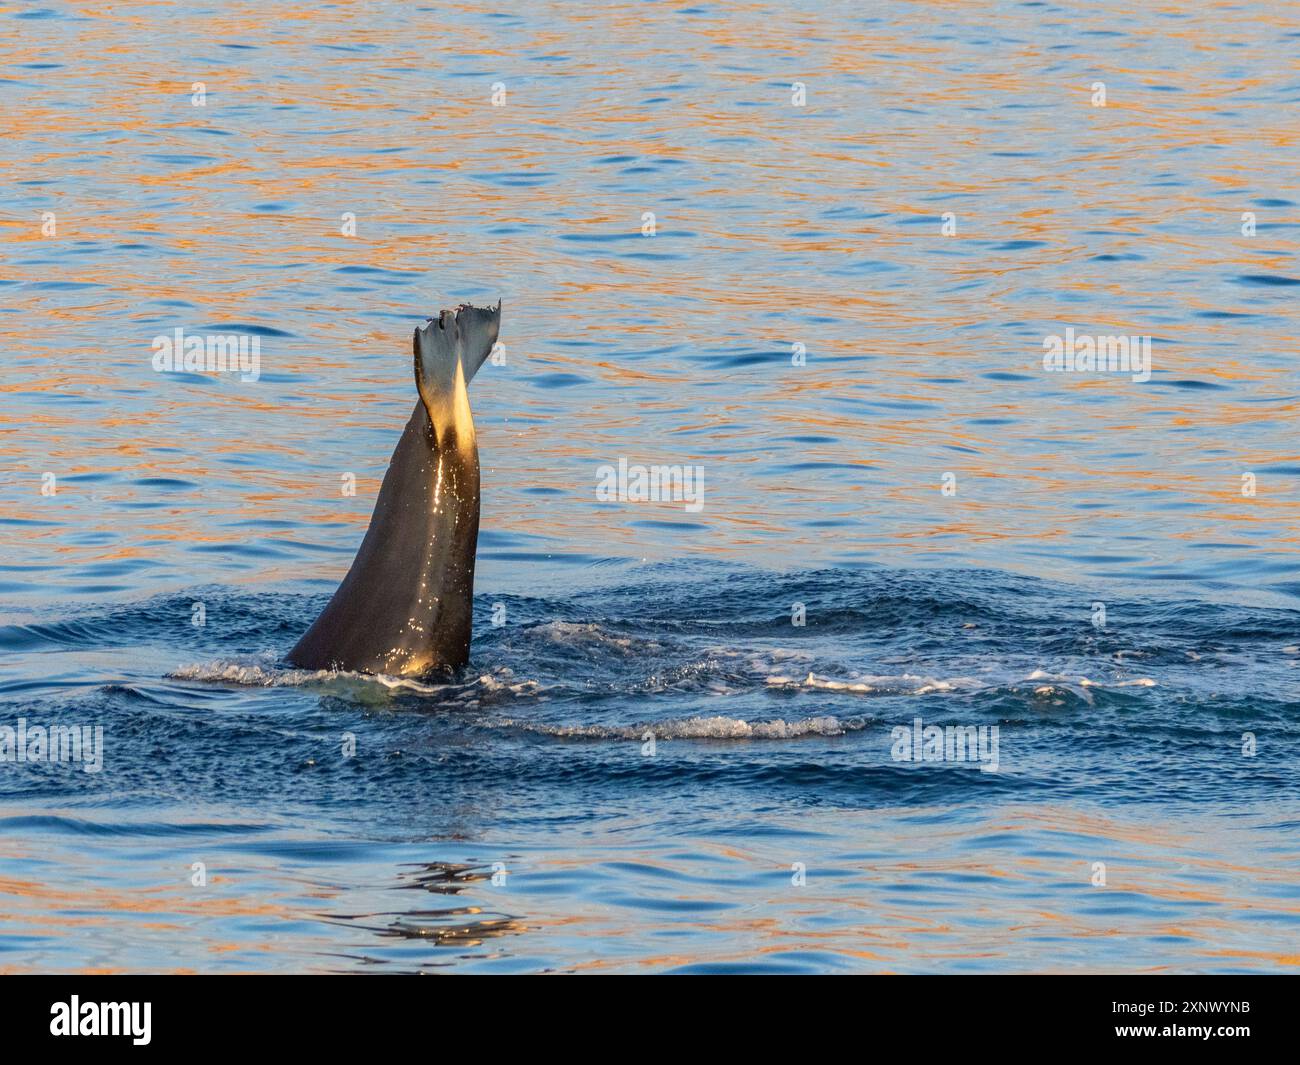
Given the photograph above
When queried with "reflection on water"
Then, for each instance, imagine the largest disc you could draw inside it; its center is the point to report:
(346, 176)
(915, 890)
(775, 225)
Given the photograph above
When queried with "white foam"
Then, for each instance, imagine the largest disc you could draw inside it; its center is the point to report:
(710, 728)
(1084, 682)
(263, 674)
(912, 684)
(589, 634)
(903, 684)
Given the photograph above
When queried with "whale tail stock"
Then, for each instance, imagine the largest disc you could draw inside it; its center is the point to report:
(405, 607)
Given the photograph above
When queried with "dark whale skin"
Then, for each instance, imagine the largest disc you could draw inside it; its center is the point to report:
(405, 607)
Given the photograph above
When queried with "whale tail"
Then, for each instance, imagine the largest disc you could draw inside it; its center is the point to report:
(448, 351)
(406, 605)
(466, 336)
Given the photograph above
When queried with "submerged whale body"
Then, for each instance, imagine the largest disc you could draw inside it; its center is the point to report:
(406, 605)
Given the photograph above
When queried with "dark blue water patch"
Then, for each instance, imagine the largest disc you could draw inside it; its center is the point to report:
(1224, 314)
(501, 538)
(61, 634)
(357, 268)
(1017, 245)
(603, 238)
(265, 549)
(1194, 385)
(1266, 280)
(26, 824)
(193, 380)
(1002, 375)
(798, 467)
(866, 266)
(177, 159)
(749, 358)
(244, 327)
(63, 286)
(903, 404)
(557, 380)
(305, 545)
(1274, 202)
(56, 397)
(679, 906)
(1119, 258)
(670, 526)
(116, 568)
(263, 523)
(165, 482)
(521, 179)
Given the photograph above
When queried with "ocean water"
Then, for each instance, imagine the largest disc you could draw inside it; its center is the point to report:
(650, 765)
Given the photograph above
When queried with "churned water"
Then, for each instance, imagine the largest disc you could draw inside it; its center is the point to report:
(818, 255)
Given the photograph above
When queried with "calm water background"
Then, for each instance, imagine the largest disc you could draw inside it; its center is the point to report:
(776, 225)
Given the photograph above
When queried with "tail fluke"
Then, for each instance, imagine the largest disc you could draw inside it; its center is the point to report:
(463, 337)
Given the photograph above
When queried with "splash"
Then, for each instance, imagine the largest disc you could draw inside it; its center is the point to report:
(717, 727)
(265, 674)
